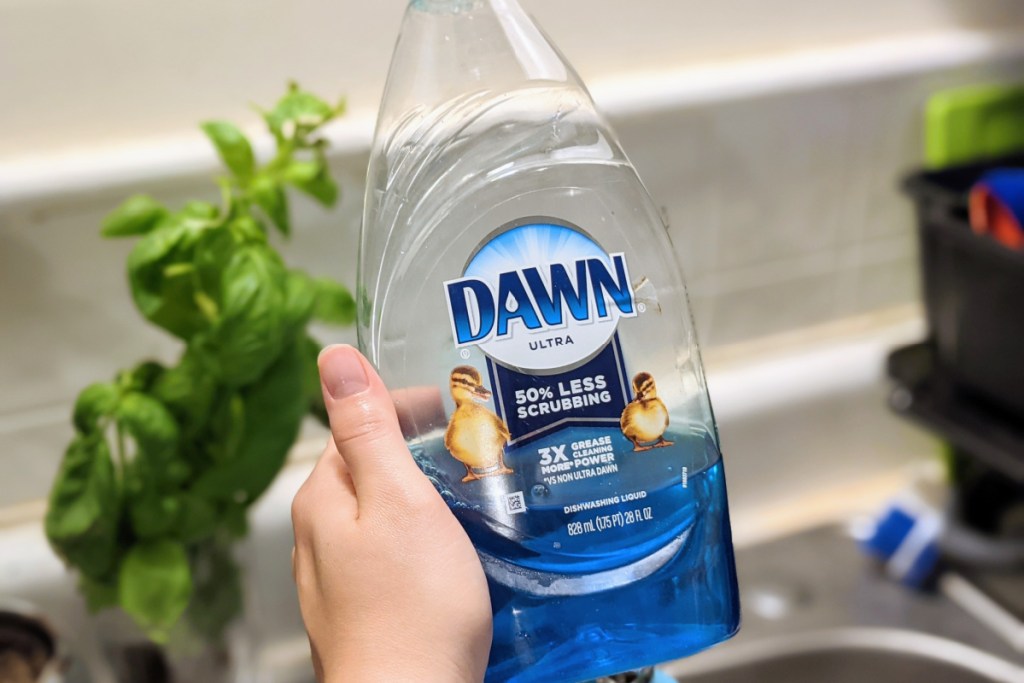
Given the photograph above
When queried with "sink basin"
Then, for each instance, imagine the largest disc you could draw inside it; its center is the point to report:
(815, 610)
(872, 655)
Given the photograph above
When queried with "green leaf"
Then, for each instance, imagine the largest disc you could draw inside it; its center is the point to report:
(99, 595)
(153, 515)
(249, 333)
(179, 269)
(334, 303)
(270, 197)
(213, 252)
(298, 112)
(247, 229)
(232, 146)
(218, 591)
(145, 375)
(168, 302)
(136, 216)
(313, 178)
(200, 210)
(84, 508)
(155, 585)
(225, 429)
(94, 402)
(300, 171)
(197, 519)
(274, 408)
(187, 390)
(151, 425)
(300, 300)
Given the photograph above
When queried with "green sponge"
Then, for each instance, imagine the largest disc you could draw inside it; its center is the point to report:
(974, 122)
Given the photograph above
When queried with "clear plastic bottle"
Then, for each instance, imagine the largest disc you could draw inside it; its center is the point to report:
(518, 289)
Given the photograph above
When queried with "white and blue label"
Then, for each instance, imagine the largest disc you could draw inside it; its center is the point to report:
(593, 394)
(558, 451)
(542, 300)
(540, 296)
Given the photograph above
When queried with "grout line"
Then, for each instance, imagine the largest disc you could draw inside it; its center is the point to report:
(640, 92)
(31, 512)
(828, 260)
(890, 325)
(34, 417)
(837, 505)
(138, 162)
(37, 178)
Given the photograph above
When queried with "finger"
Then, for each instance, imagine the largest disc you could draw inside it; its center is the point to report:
(364, 425)
(327, 494)
(331, 476)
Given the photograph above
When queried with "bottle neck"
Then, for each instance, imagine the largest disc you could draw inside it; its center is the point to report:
(448, 49)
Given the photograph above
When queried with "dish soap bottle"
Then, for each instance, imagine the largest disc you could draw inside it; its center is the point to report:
(515, 274)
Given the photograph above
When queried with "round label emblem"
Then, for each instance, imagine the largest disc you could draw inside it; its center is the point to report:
(540, 296)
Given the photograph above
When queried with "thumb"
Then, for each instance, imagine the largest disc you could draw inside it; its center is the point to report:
(364, 424)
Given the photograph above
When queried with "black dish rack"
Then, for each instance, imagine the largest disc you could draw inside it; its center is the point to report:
(966, 381)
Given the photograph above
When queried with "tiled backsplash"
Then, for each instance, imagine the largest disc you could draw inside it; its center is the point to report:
(782, 204)
(783, 208)
(91, 73)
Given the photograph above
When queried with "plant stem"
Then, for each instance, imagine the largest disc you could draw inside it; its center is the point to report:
(226, 197)
(121, 457)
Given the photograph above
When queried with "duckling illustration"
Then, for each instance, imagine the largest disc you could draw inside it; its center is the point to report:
(645, 418)
(476, 437)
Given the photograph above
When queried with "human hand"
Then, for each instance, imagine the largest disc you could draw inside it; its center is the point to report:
(389, 585)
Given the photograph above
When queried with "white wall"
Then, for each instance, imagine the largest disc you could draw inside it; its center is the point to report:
(93, 73)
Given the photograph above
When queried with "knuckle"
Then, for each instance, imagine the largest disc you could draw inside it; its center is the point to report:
(301, 510)
(422, 495)
(409, 505)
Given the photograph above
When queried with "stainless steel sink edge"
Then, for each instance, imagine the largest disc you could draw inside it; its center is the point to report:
(816, 610)
(854, 639)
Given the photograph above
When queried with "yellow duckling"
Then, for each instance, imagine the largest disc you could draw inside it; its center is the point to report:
(645, 419)
(476, 437)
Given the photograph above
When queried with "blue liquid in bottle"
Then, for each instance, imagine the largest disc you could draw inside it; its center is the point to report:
(513, 267)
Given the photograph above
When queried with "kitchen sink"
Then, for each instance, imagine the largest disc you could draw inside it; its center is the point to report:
(815, 610)
(854, 656)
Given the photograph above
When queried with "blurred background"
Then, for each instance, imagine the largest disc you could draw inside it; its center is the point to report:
(775, 136)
